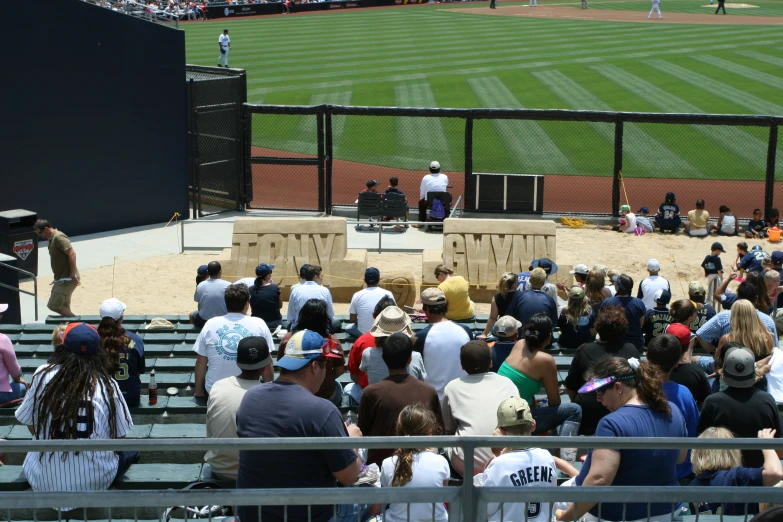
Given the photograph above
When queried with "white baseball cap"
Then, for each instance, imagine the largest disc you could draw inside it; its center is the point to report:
(580, 269)
(113, 308)
(3, 307)
(434, 165)
(653, 265)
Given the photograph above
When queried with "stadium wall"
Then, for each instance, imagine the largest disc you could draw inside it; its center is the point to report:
(95, 119)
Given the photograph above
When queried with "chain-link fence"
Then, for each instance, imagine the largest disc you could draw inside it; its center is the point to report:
(583, 162)
(216, 138)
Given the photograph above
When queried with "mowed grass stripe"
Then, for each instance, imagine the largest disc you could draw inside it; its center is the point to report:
(527, 141)
(577, 97)
(417, 136)
(776, 82)
(732, 139)
(761, 57)
(307, 123)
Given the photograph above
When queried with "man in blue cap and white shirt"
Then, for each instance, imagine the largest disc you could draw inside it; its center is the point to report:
(363, 303)
(288, 407)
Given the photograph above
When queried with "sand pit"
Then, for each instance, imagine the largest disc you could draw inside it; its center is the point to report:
(165, 284)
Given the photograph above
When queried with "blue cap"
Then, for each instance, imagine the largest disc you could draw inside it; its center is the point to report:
(305, 346)
(203, 270)
(264, 270)
(643, 209)
(670, 196)
(81, 339)
(777, 257)
(547, 264)
(372, 275)
(757, 248)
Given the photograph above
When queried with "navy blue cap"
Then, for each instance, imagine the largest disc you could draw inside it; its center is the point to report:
(372, 275)
(203, 270)
(670, 195)
(643, 209)
(777, 257)
(263, 270)
(546, 264)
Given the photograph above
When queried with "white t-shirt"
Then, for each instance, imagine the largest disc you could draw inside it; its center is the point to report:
(775, 375)
(247, 281)
(219, 339)
(374, 366)
(224, 40)
(728, 224)
(89, 470)
(363, 305)
(441, 354)
(433, 183)
(630, 218)
(224, 399)
(429, 471)
(520, 468)
(470, 406)
(649, 286)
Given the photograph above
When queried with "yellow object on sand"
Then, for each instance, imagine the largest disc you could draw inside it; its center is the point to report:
(574, 222)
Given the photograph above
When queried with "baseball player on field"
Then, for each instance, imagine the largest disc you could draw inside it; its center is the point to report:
(655, 7)
(534, 3)
(225, 45)
(584, 4)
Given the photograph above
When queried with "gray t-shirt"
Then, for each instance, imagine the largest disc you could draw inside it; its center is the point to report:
(211, 298)
(372, 364)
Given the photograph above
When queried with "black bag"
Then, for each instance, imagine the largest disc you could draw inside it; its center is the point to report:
(198, 512)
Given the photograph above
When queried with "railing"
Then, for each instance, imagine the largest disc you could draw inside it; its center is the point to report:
(466, 502)
(34, 293)
(139, 10)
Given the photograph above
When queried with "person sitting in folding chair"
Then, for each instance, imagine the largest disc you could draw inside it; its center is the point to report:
(432, 182)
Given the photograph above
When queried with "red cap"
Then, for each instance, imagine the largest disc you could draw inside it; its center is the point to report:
(681, 332)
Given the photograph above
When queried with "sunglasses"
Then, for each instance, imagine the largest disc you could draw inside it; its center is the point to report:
(603, 389)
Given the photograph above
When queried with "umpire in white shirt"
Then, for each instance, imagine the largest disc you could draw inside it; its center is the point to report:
(311, 288)
(432, 182)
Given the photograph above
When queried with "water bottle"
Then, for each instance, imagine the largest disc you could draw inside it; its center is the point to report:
(153, 389)
(569, 429)
(542, 403)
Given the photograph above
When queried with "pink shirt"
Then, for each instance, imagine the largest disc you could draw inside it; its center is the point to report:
(8, 363)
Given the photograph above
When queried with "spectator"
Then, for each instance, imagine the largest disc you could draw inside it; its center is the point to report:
(457, 289)
(713, 267)
(649, 285)
(772, 282)
(286, 408)
(757, 227)
(550, 269)
(440, 342)
(210, 296)
(432, 182)
(657, 319)
(265, 298)
(748, 331)
(774, 219)
(383, 401)
(470, 403)
(704, 312)
(255, 364)
(529, 367)
(756, 280)
(723, 467)
(668, 217)
(634, 308)
(302, 270)
(596, 290)
(415, 467)
(611, 274)
(727, 225)
(665, 352)
(251, 281)
(525, 305)
(627, 222)
(741, 408)
(125, 351)
(686, 372)
(698, 218)
(506, 331)
(216, 346)
(311, 289)
(683, 311)
(751, 261)
(361, 344)
(14, 388)
(617, 383)
(643, 221)
(363, 303)
(390, 321)
(500, 301)
(372, 186)
(611, 325)
(202, 274)
(576, 320)
(64, 271)
(519, 467)
(393, 187)
(75, 378)
(580, 273)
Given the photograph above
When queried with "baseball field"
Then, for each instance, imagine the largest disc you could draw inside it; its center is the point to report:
(609, 57)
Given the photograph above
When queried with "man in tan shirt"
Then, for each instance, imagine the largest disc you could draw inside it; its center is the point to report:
(697, 220)
(63, 259)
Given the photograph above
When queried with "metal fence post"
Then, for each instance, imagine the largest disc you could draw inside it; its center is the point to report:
(468, 489)
(618, 164)
(769, 189)
(192, 156)
(247, 139)
(325, 159)
(469, 180)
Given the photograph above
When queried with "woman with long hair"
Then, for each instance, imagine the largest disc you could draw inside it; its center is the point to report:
(747, 330)
(265, 298)
(576, 320)
(124, 350)
(75, 397)
(764, 303)
(500, 301)
(632, 392)
(415, 467)
(529, 367)
(596, 290)
(457, 290)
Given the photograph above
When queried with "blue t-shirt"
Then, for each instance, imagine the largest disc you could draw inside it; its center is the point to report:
(132, 365)
(726, 300)
(756, 225)
(751, 262)
(683, 399)
(525, 305)
(634, 311)
(500, 352)
(639, 467)
(574, 336)
(733, 477)
(279, 410)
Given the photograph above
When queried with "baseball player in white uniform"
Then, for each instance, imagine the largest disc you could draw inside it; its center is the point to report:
(225, 45)
(533, 3)
(655, 7)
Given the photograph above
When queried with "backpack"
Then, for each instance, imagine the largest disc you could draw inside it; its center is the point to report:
(438, 210)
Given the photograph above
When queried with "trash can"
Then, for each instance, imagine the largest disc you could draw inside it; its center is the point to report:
(10, 297)
(19, 240)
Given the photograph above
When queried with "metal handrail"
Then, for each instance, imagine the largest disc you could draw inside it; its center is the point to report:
(34, 293)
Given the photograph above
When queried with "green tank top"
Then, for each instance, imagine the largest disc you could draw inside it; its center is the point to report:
(527, 387)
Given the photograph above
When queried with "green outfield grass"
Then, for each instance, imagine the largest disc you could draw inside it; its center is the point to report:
(436, 56)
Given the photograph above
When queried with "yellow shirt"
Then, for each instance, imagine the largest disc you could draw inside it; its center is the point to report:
(698, 219)
(456, 289)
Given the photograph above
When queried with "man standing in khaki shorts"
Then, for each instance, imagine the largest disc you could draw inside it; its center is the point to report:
(63, 259)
